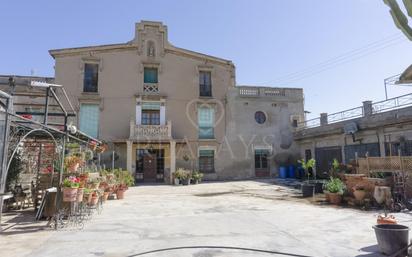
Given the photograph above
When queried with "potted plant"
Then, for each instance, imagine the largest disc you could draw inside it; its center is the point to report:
(335, 188)
(178, 176)
(93, 145)
(94, 198)
(359, 192)
(94, 183)
(72, 163)
(187, 176)
(308, 188)
(124, 180)
(70, 188)
(87, 195)
(197, 176)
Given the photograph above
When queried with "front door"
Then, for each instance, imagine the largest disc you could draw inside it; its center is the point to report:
(149, 167)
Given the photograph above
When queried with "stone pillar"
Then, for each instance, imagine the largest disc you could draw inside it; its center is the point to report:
(367, 108)
(323, 118)
(172, 160)
(129, 156)
(381, 137)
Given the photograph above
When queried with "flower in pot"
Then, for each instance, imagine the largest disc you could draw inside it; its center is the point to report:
(178, 176)
(359, 192)
(93, 145)
(124, 179)
(94, 183)
(72, 163)
(197, 176)
(70, 188)
(335, 188)
(187, 176)
(308, 188)
(94, 198)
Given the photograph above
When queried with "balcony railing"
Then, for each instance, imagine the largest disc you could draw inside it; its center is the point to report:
(150, 88)
(248, 91)
(150, 132)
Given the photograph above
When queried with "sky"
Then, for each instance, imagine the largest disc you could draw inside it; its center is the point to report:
(338, 51)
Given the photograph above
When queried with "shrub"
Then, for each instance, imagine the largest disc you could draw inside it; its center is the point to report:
(335, 185)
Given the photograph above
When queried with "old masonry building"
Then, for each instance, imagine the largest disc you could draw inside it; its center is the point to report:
(161, 107)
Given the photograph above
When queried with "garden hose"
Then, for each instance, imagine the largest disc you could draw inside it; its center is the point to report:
(217, 247)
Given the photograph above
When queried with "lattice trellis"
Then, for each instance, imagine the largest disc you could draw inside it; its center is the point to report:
(150, 88)
(392, 163)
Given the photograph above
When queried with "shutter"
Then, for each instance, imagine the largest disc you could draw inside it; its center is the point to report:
(89, 119)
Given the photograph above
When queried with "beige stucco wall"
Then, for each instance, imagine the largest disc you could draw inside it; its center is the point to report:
(120, 86)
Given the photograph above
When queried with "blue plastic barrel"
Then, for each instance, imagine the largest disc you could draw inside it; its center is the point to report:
(282, 172)
(292, 172)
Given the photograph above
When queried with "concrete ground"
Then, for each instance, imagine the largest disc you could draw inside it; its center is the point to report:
(250, 214)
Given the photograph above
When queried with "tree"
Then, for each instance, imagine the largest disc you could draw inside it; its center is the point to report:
(400, 19)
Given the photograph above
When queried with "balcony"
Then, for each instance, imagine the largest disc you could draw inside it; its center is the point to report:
(150, 132)
(150, 89)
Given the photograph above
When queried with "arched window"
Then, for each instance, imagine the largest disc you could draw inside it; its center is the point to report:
(260, 117)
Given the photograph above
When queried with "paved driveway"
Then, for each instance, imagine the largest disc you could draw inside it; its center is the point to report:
(250, 214)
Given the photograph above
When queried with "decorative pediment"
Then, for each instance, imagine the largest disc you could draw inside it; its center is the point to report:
(151, 38)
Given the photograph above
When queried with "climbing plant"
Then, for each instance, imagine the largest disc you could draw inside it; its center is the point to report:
(13, 175)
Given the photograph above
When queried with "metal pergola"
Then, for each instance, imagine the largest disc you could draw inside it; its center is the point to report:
(23, 126)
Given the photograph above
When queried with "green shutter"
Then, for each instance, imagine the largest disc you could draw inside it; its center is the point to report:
(206, 120)
(89, 119)
(150, 106)
(150, 75)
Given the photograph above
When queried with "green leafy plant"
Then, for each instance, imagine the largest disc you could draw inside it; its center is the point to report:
(197, 176)
(71, 182)
(306, 165)
(123, 177)
(13, 174)
(180, 173)
(335, 185)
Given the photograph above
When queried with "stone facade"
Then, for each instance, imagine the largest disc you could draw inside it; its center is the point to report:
(150, 79)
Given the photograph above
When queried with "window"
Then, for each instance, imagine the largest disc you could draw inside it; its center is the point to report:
(91, 74)
(207, 161)
(89, 119)
(205, 83)
(206, 122)
(261, 159)
(150, 117)
(260, 117)
(150, 75)
(151, 113)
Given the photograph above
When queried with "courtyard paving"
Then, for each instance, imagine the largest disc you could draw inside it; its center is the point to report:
(249, 214)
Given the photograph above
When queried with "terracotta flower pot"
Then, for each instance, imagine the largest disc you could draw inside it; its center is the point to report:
(69, 194)
(120, 194)
(79, 195)
(94, 200)
(105, 196)
(73, 168)
(335, 198)
(327, 198)
(359, 194)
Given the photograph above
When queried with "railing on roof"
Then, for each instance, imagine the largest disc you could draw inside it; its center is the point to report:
(392, 103)
(245, 91)
(357, 112)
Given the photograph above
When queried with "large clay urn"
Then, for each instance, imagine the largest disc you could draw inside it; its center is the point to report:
(382, 194)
